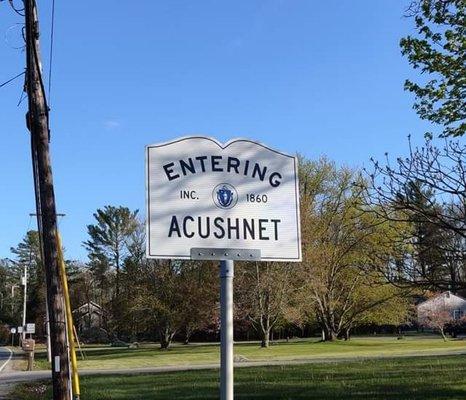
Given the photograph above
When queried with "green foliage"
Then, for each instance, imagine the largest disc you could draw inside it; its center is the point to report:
(108, 243)
(382, 305)
(346, 252)
(4, 334)
(28, 250)
(439, 51)
(108, 237)
(10, 293)
(28, 254)
(171, 296)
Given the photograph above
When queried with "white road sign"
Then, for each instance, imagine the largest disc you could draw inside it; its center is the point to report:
(20, 329)
(30, 328)
(204, 194)
(12, 330)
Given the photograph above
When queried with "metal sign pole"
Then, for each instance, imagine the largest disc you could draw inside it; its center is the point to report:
(226, 329)
(25, 284)
(227, 272)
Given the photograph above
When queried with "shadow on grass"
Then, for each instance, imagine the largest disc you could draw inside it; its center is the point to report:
(417, 378)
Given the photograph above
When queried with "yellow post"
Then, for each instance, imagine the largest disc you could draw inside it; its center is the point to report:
(69, 320)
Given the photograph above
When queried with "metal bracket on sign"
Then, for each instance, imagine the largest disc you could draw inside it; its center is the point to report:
(205, 253)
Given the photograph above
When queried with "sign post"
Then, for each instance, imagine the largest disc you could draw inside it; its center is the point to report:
(20, 330)
(225, 202)
(13, 332)
(226, 323)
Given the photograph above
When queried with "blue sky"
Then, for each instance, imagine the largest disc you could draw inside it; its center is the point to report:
(302, 76)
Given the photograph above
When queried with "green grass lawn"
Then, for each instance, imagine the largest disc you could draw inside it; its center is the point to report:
(403, 378)
(152, 356)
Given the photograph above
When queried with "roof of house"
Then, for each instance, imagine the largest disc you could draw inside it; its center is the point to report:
(89, 307)
(453, 298)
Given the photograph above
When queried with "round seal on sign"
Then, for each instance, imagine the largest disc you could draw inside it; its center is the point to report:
(225, 196)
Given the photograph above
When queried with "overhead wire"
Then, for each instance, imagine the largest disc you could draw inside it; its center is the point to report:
(21, 98)
(16, 10)
(12, 79)
(7, 40)
(36, 56)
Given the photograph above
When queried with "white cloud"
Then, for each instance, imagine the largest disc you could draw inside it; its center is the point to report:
(111, 124)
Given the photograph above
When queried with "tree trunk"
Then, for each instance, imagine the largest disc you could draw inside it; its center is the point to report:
(328, 334)
(117, 262)
(347, 333)
(165, 338)
(265, 339)
(187, 336)
(442, 332)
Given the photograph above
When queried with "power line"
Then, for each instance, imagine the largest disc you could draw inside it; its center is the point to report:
(21, 98)
(12, 79)
(17, 10)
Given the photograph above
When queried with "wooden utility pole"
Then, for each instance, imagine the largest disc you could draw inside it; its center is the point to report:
(38, 124)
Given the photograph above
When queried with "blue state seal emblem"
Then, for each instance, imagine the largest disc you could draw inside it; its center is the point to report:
(225, 195)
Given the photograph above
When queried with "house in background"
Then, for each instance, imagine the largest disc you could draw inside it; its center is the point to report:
(87, 317)
(445, 302)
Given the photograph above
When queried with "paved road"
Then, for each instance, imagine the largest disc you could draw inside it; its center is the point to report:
(15, 377)
(5, 357)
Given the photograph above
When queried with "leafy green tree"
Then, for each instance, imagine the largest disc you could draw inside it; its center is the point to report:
(345, 250)
(200, 295)
(109, 237)
(108, 243)
(100, 279)
(439, 51)
(28, 253)
(158, 300)
(28, 250)
(10, 293)
(162, 298)
(378, 303)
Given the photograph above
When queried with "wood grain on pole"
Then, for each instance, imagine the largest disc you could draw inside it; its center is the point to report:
(37, 119)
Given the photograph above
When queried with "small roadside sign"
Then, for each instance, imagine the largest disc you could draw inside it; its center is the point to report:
(13, 330)
(20, 329)
(31, 328)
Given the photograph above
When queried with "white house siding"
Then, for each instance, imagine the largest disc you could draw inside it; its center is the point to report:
(456, 305)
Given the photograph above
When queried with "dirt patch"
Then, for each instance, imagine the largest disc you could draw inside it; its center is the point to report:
(23, 390)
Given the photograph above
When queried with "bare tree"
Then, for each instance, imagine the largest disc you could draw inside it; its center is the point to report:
(436, 318)
(440, 171)
(265, 291)
(427, 190)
